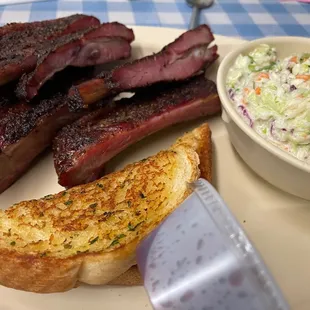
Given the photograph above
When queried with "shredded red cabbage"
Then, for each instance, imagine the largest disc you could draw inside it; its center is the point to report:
(231, 93)
(246, 114)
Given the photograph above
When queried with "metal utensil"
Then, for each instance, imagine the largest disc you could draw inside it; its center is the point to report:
(197, 5)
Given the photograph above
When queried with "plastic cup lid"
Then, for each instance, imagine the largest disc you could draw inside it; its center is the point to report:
(199, 258)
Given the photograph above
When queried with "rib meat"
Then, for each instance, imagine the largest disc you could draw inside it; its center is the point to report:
(186, 56)
(19, 42)
(50, 27)
(27, 129)
(82, 148)
(92, 46)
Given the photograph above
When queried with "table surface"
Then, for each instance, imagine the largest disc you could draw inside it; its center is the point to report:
(248, 19)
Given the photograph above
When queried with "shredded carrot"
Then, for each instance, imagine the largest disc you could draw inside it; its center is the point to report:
(257, 90)
(304, 77)
(263, 75)
(294, 59)
(246, 90)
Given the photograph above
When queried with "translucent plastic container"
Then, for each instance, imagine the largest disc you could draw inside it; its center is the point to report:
(199, 258)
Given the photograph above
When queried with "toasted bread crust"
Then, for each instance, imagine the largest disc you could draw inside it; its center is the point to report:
(205, 154)
(200, 139)
(49, 274)
(45, 274)
(203, 134)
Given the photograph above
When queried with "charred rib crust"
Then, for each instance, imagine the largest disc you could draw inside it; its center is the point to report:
(14, 44)
(108, 75)
(20, 118)
(74, 101)
(73, 43)
(28, 129)
(19, 49)
(14, 27)
(26, 117)
(190, 51)
(43, 51)
(73, 140)
(113, 83)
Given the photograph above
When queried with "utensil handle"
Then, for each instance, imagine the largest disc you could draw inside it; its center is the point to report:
(194, 18)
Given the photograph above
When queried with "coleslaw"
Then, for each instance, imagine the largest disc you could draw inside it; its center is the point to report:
(273, 97)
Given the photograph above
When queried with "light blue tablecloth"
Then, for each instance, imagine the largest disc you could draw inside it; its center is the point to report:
(248, 19)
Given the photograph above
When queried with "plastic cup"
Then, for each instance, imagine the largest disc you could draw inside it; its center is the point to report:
(199, 258)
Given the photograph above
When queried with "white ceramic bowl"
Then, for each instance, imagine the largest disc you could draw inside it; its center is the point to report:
(273, 164)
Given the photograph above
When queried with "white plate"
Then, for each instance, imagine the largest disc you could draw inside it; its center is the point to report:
(277, 223)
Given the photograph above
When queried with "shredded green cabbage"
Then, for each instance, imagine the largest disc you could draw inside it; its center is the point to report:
(275, 97)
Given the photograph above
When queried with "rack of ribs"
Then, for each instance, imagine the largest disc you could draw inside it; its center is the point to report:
(82, 148)
(88, 47)
(188, 55)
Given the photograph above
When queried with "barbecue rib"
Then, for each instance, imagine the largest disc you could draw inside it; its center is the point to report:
(181, 59)
(18, 48)
(49, 28)
(82, 148)
(92, 46)
(27, 129)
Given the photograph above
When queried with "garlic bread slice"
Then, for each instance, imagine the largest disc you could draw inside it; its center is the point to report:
(89, 233)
